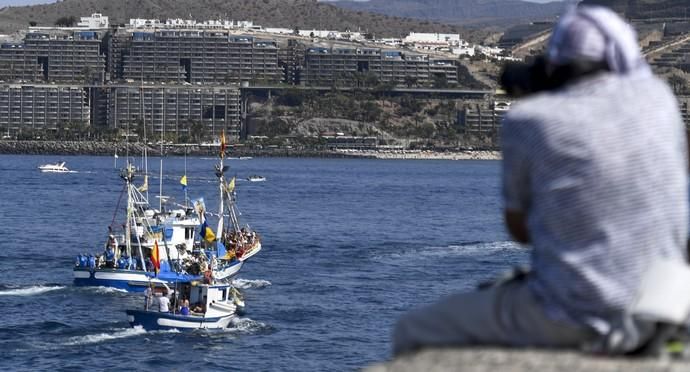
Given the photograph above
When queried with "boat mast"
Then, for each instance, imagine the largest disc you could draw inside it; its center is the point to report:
(185, 177)
(146, 158)
(160, 185)
(221, 184)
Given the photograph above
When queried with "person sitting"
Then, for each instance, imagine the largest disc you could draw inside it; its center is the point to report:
(184, 309)
(595, 177)
(92, 262)
(200, 307)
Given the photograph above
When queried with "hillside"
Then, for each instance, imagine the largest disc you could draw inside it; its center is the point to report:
(274, 13)
(462, 12)
(647, 9)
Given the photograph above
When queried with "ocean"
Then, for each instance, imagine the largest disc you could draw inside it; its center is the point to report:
(348, 246)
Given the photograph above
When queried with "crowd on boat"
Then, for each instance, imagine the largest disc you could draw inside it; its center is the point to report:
(238, 242)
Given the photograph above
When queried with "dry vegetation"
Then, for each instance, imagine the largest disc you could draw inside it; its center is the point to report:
(274, 13)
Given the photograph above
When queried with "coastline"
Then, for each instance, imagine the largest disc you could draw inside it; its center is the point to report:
(111, 148)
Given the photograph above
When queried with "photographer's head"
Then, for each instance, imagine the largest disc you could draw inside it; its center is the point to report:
(586, 40)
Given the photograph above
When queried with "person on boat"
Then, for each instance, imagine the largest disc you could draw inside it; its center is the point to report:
(200, 307)
(110, 252)
(208, 276)
(163, 303)
(184, 308)
(92, 262)
(148, 294)
(595, 176)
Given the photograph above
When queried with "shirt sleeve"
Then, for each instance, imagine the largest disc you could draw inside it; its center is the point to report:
(516, 178)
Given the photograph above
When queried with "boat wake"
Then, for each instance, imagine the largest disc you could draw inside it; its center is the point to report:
(250, 283)
(100, 337)
(474, 248)
(247, 326)
(29, 291)
(107, 290)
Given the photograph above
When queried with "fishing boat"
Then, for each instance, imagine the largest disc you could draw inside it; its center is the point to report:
(255, 178)
(195, 306)
(54, 168)
(148, 235)
(233, 243)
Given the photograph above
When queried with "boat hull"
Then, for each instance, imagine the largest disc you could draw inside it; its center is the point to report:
(128, 280)
(251, 252)
(228, 271)
(151, 320)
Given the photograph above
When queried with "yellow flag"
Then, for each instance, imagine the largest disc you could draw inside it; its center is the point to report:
(183, 181)
(222, 144)
(231, 185)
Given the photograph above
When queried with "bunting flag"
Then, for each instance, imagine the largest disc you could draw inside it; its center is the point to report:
(183, 182)
(222, 144)
(206, 233)
(155, 257)
(231, 186)
(145, 186)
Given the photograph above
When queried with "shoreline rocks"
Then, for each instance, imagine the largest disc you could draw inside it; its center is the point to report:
(111, 148)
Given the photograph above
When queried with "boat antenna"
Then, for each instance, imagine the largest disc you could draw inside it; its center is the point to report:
(185, 177)
(160, 185)
(143, 123)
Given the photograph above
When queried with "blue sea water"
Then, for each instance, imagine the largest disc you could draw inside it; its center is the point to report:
(349, 245)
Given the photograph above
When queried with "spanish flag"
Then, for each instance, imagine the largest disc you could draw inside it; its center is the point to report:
(183, 182)
(231, 186)
(206, 233)
(155, 257)
(222, 144)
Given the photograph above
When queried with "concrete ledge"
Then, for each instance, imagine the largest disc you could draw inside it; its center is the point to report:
(521, 360)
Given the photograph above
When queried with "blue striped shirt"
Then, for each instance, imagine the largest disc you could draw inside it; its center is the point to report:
(599, 168)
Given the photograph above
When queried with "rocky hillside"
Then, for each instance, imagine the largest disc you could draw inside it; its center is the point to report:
(464, 12)
(274, 13)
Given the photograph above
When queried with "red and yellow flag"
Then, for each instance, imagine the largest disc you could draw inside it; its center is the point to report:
(222, 144)
(155, 257)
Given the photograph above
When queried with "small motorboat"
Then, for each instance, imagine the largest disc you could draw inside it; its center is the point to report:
(256, 178)
(213, 306)
(54, 168)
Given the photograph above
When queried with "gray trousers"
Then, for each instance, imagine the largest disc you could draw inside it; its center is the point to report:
(505, 314)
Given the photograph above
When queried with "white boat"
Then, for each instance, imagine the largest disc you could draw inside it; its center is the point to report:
(232, 244)
(255, 178)
(126, 260)
(212, 306)
(54, 168)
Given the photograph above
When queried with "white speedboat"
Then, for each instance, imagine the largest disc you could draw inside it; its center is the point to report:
(256, 178)
(54, 168)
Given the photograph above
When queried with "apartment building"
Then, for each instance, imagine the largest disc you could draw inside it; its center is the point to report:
(55, 56)
(177, 110)
(481, 119)
(193, 56)
(43, 108)
(340, 66)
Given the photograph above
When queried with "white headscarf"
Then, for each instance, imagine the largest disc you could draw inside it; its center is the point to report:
(596, 33)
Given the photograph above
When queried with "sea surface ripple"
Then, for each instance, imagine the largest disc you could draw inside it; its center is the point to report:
(349, 244)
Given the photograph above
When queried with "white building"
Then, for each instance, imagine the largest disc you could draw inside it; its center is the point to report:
(432, 38)
(97, 20)
(464, 50)
(189, 23)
